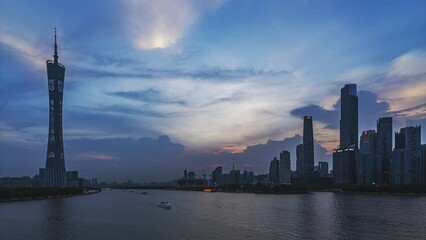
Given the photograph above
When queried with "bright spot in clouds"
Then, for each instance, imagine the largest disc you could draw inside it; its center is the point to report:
(161, 23)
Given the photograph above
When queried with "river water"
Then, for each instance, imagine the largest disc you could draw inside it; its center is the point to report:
(122, 214)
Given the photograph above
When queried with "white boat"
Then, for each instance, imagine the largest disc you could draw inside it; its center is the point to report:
(165, 205)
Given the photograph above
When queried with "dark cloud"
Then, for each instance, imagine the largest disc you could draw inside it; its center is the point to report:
(330, 117)
(125, 158)
(145, 159)
(254, 158)
(138, 71)
(370, 109)
(150, 95)
(103, 120)
(155, 97)
(239, 73)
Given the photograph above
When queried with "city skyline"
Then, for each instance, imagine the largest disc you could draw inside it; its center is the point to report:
(209, 104)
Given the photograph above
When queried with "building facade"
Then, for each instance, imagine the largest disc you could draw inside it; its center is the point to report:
(407, 163)
(285, 168)
(299, 159)
(308, 149)
(344, 166)
(217, 176)
(368, 167)
(345, 156)
(54, 173)
(274, 171)
(349, 116)
(323, 169)
(384, 149)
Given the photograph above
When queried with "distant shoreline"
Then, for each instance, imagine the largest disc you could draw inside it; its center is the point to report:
(305, 191)
(53, 196)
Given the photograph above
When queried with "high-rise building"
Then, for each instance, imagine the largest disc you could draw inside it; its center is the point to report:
(299, 159)
(217, 176)
(368, 167)
(308, 149)
(323, 169)
(424, 162)
(285, 168)
(349, 116)
(274, 171)
(407, 162)
(248, 177)
(54, 173)
(384, 149)
(344, 166)
(345, 156)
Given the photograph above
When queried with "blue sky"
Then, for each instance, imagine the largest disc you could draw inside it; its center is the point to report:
(221, 81)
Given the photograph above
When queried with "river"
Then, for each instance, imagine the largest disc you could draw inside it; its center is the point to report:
(125, 214)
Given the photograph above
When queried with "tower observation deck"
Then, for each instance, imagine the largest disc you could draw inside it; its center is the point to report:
(55, 175)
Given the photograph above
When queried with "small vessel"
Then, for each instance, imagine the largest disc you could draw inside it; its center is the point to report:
(144, 193)
(209, 190)
(165, 205)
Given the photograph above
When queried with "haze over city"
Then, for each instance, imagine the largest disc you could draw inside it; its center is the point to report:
(154, 87)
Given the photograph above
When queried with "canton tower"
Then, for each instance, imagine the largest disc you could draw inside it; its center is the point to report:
(55, 175)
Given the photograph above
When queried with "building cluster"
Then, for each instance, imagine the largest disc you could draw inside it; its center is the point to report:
(36, 181)
(371, 160)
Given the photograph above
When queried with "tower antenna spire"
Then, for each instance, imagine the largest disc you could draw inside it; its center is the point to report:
(55, 56)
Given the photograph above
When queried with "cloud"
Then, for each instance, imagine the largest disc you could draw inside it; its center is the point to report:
(24, 48)
(149, 96)
(370, 109)
(419, 110)
(254, 157)
(161, 23)
(410, 64)
(400, 82)
(330, 117)
(146, 159)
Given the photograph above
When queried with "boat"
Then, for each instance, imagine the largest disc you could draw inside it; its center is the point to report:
(144, 193)
(165, 205)
(209, 190)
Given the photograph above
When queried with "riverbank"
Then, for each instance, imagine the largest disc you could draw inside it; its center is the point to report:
(31, 194)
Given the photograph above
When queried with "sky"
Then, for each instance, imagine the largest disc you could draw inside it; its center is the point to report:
(156, 87)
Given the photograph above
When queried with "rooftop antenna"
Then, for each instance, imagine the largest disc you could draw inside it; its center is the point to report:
(55, 56)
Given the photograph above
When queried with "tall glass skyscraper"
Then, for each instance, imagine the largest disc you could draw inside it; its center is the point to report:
(384, 148)
(54, 173)
(299, 159)
(345, 156)
(308, 149)
(349, 116)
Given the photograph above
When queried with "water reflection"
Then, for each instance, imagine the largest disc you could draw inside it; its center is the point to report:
(57, 221)
(125, 215)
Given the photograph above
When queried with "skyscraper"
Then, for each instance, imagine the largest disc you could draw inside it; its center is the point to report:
(368, 167)
(323, 169)
(285, 169)
(384, 149)
(299, 159)
(407, 163)
(274, 171)
(308, 149)
(349, 116)
(345, 156)
(54, 173)
(217, 176)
